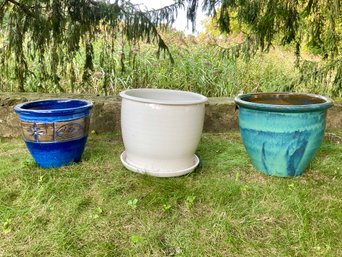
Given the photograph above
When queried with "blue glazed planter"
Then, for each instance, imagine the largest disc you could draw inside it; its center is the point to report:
(282, 131)
(55, 130)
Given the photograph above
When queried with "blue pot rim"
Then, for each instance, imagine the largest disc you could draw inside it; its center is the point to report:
(86, 105)
(326, 104)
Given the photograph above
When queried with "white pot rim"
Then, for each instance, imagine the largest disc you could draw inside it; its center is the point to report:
(163, 96)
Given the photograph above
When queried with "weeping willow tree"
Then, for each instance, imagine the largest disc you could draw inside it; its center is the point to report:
(53, 32)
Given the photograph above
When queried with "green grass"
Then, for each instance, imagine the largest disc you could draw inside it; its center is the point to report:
(224, 208)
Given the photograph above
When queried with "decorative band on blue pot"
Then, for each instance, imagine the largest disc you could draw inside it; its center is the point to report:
(55, 130)
(282, 131)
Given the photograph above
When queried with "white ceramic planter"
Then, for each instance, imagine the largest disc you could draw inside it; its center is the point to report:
(161, 130)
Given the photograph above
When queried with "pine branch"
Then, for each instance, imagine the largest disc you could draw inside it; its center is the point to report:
(170, 7)
(145, 19)
(3, 4)
(167, 13)
(22, 7)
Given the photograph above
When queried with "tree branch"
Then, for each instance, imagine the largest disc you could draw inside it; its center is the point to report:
(21, 6)
(3, 4)
(161, 43)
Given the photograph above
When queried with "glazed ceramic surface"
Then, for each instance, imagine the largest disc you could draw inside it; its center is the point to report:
(161, 130)
(55, 130)
(282, 131)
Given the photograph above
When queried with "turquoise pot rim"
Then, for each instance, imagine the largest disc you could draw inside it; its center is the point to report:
(318, 102)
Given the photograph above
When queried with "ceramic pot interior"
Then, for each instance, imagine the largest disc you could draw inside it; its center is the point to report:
(283, 99)
(56, 104)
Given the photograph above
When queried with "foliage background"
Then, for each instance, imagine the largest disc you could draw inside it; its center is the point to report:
(85, 46)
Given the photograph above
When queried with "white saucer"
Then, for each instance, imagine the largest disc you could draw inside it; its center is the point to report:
(157, 173)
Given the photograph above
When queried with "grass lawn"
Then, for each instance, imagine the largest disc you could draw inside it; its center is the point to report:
(224, 208)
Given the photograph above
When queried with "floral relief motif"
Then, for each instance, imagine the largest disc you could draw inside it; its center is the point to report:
(36, 132)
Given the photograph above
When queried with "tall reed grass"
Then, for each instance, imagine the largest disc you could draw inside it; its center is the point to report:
(198, 67)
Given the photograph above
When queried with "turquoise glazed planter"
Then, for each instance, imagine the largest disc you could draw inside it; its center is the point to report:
(55, 130)
(282, 131)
